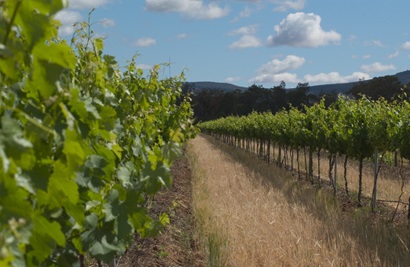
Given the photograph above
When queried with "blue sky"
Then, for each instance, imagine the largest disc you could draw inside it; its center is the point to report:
(247, 42)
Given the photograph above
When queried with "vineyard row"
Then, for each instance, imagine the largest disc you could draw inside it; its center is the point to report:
(353, 129)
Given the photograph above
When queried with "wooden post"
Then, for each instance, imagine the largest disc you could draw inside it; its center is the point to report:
(335, 174)
(376, 167)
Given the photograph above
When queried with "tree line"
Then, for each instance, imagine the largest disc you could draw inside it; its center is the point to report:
(210, 104)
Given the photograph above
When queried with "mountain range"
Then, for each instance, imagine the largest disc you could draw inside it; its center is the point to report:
(404, 78)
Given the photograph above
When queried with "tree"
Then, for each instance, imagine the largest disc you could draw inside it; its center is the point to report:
(298, 97)
(387, 87)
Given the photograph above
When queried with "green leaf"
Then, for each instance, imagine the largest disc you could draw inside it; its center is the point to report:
(73, 150)
(13, 200)
(45, 236)
(105, 250)
(13, 144)
(124, 174)
(56, 53)
(61, 186)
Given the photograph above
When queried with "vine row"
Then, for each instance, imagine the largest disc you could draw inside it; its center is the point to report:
(84, 145)
(358, 129)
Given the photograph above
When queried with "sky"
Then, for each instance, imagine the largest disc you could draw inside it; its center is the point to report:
(246, 42)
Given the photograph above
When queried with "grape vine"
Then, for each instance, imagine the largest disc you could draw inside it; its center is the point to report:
(83, 145)
(358, 129)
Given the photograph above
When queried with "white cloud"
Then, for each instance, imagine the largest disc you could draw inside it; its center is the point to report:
(107, 23)
(291, 62)
(232, 79)
(68, 18)
(275, 78)
(357, 76)
(377, 67)
(194, 9)
(277, 70)
(246, 41)
(302, 30)
(335, 77)
(246, 30)
(145, 42)
(284, 5)
(406, 46)
(86, 4)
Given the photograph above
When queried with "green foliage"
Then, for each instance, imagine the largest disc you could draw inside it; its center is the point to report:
(83, 146)
(349, 127)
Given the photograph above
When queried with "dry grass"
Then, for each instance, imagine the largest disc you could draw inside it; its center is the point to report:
(252, 214)
(388, 185)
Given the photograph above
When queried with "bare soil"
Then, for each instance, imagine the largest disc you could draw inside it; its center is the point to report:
(178, 244)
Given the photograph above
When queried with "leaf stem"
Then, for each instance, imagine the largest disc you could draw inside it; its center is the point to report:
(10, 25)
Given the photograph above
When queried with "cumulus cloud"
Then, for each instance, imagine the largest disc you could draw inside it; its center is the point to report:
(302, 30)
(406, 46)
(275, 78)
(357, 76)
(284, 5)
(145, 42)
(335, 77)
(278, 70)
(377, 67)
(189, 8)
(68, 18)
(291, 62)
(246, 41)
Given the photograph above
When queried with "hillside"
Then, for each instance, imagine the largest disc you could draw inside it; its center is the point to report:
(226, 87)
(404, 78)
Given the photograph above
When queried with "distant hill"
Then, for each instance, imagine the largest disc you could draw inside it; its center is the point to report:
(336, 88)
(404, 78)
(226, 87)
(342, 88)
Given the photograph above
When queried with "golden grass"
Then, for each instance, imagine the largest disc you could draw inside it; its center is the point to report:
(388, 185)
(260, 215)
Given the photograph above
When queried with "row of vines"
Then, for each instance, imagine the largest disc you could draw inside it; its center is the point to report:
(363, 130)
(84, 144)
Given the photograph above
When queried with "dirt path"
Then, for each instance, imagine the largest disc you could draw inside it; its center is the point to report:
(252, 214)
(177, 246)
